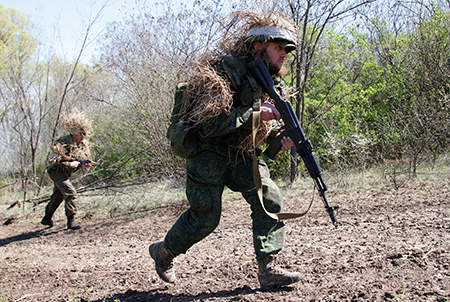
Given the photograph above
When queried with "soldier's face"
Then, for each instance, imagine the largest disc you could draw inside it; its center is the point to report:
(78, 137)
(276, 54)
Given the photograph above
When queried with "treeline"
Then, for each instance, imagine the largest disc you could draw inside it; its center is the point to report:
(371, 84)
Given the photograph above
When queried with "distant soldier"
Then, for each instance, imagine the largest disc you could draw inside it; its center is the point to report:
(214, 130)
(68, 155)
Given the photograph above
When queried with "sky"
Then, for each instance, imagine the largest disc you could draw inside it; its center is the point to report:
(67, 19)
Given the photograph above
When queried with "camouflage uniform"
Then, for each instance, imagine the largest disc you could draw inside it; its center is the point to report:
(60, 173)
(218, 163)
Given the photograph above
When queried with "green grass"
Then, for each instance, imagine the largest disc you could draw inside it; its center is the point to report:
(103, 202)
(138, 200)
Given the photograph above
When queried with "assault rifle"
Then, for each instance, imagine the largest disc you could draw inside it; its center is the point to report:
(293, 129)
(78, 159)
(82, 161)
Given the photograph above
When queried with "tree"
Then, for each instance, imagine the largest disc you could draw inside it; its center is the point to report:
(17, 47)
(313, 17)
(419, 88)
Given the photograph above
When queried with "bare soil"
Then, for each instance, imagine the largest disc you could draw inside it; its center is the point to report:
(391, 245)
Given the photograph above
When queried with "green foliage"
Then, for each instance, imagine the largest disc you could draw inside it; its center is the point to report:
(417, 74)
(127, 141)
(16, 43)
(279, 167)
(17, 48)
(115, 143)
(338, 110)
(380, 96)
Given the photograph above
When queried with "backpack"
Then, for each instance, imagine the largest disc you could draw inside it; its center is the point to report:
(182, 135)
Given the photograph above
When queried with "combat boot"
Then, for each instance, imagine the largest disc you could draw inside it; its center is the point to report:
(71, 224)
(269, 275)
(163, 257)
(47, 221)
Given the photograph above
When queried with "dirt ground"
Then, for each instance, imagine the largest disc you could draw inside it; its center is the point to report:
(391, 245)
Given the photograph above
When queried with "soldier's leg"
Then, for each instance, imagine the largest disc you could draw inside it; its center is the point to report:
(56, 198)
(69, 194)
(268, 234)
(204, 188)
(53, 204)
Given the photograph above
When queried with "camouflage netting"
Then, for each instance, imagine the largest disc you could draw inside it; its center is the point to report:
(77, 121)
(207, 95)
(265, 127)
(59, 150)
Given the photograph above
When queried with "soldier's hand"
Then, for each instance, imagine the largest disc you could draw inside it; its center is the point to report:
(269, 112)
(74, 164)
(286, 143)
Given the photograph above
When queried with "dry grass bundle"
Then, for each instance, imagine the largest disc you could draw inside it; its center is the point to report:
(84, 152)
(59, 150)
(233, 32)
(265, 127)
(77, 121)
(207, 95)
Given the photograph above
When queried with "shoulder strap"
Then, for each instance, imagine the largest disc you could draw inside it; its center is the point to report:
(256, 174)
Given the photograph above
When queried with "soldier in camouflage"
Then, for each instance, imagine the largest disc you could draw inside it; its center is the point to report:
(63, 164)
(219, 163)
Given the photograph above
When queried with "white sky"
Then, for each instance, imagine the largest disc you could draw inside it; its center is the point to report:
(67, 19)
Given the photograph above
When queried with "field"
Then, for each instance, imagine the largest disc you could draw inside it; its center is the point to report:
(393, 244)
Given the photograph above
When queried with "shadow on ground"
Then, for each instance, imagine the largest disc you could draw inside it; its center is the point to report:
(28, 236)
(159, 295)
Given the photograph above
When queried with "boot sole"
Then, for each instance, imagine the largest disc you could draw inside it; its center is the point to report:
(74, 228)
(274, 283)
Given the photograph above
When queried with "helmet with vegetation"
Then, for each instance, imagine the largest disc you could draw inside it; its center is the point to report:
(77, 122)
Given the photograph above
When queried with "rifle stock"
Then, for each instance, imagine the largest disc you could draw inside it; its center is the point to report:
(293, 129)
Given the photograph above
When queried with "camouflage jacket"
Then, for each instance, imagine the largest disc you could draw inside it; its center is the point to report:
(233, 128)
(66, 145)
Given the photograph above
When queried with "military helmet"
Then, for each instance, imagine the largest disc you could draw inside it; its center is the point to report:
(278, 30)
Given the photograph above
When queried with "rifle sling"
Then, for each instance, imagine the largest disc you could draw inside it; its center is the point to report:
(257, 175)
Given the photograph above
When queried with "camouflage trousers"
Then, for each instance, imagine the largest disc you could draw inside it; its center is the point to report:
(208, 174)
(62, 190)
